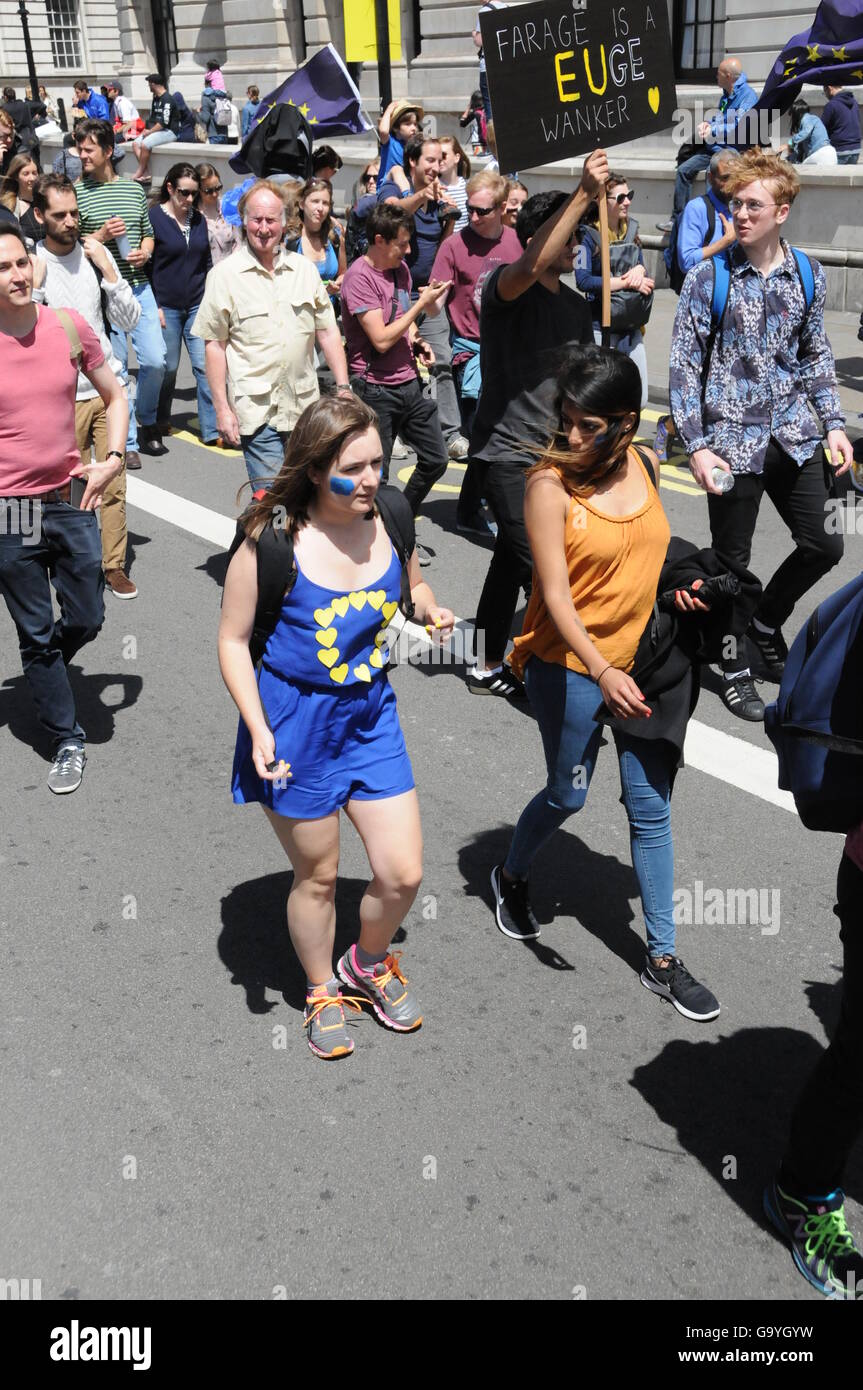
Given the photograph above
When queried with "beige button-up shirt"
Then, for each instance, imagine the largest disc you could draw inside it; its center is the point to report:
(269, 323)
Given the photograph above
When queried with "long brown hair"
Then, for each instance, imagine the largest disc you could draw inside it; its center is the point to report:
(462, 168)
(295, 223)
(316, 441)
(9, 193)
(599, 381)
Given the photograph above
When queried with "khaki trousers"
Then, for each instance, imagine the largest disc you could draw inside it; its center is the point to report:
(91, 429)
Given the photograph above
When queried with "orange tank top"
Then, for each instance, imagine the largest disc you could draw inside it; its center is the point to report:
(614, 564)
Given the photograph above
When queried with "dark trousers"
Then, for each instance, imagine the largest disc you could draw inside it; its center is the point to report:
(828, 1117)
(799, 493)
(405, 410)
(64, 547)
(511, 568)
(486, 100)
(687, 172)
(470, 497)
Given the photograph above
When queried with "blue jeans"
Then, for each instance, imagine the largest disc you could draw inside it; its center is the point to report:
(264, 453)
(565, 703)
(149, 348)
(847, 156)
(67, 547)
(178, 329)
(685, 177)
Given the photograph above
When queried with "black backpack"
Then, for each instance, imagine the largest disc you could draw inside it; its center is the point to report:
(277, 575)
(676, 273)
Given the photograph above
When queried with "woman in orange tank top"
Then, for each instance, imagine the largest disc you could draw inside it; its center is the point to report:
(598, 535)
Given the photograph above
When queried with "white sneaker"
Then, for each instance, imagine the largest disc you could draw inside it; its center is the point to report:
(67, 768)
(458, 448)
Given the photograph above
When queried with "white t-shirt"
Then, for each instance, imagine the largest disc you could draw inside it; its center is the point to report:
(484, 9)
(126, 109)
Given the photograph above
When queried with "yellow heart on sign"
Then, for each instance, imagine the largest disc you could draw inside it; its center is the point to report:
(330, 658)
(340, 605)
(338, 673)
(327, 637)
(653, 99)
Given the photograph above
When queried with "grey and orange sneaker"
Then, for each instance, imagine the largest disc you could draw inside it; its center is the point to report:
(386, 990)
(324, 1018)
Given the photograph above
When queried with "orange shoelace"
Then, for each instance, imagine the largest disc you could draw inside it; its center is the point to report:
(392, 971)
(323, 1001)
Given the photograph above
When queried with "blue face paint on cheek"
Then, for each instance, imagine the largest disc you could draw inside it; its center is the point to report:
(342, 486)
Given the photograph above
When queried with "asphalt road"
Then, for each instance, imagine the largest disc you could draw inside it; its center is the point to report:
(553, 1130)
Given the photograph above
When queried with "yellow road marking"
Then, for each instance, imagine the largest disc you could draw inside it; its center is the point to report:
(190, 438)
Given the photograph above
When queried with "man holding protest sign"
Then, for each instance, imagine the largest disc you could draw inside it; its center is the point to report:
(527, 320)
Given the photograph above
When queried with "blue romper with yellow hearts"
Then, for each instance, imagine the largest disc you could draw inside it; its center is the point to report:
(331, 708)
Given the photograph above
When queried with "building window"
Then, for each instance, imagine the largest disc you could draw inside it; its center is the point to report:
(64, 32)
(165, 35)
(699, 37)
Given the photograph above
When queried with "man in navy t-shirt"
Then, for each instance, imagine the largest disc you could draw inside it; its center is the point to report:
(434, 218)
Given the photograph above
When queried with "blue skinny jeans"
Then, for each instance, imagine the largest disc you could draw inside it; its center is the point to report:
(565, 703)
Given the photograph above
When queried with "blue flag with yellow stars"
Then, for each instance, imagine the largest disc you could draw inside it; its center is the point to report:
(831, 50)
(324, 92)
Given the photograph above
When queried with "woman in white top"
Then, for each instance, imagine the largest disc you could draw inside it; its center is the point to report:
(454, 174)
(223, 237)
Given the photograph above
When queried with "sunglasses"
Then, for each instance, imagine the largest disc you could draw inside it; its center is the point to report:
(619, 198)
(186, 192)
(214, 188)
(480, 212)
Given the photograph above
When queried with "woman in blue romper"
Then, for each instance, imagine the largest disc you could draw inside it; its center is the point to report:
(320, 732)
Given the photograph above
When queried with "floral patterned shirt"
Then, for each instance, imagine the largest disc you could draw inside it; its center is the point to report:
(771, 370)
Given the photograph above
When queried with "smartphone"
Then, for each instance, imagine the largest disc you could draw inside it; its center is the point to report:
(77, 488)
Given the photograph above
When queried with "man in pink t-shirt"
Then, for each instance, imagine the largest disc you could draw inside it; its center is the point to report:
(467, 259)
(379, 323)
(44, 532)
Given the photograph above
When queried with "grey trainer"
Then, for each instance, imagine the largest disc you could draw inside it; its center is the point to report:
(324, 1018)
(387, 991)
(67, 768)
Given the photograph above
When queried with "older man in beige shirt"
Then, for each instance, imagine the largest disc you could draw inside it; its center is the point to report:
(262, 312)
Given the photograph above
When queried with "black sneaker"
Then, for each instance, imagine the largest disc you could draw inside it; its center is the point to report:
(740, 696)
(501, 682)
(822, 1247)
(512, 908)
(772, 651)
(675, 984)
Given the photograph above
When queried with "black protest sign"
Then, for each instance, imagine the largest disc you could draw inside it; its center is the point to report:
(569, 76)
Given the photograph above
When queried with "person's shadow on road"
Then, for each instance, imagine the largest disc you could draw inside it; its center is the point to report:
(255, 947)
(568, 880)
(730, 1099)
(95, 714)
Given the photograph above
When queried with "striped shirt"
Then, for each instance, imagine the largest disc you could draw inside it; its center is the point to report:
(119, 198)
(457, 193)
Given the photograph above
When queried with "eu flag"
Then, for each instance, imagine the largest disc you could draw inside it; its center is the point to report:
(831, 50)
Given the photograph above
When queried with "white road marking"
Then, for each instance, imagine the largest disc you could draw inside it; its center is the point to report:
(731, 760)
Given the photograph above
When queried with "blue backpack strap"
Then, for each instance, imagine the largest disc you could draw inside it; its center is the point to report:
(807, 275)
(721, 288)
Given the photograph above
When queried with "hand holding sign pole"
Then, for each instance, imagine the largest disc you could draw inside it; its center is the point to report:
(569, 76)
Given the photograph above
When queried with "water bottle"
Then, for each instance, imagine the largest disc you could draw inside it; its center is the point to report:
(724, 481)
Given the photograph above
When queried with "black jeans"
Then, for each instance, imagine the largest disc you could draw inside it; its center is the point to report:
(470, 497)
(404, 410)
(511, 568)
(64, 546)
(828, 1116)
(799, 493)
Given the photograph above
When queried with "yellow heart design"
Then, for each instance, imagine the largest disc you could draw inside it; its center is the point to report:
(381, 639)
(323, 616)
(362, 672)
(338, 673)
(376, 598)
(329, 658)
(340, 605)
(327, 637)
(375, 659)
(653, 99)
(390, 610)
(358, 601)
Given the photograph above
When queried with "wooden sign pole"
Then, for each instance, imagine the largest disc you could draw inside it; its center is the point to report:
(605, 258)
